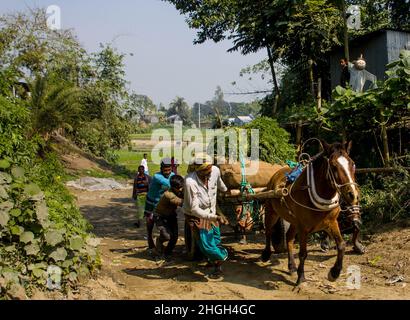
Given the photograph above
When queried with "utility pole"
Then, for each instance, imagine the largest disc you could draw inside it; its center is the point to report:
(199, 115)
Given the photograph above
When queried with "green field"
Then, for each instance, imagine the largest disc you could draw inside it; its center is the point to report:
(147, 135)
(132, 159)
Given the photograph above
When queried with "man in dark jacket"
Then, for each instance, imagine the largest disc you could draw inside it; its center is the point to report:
(345, 76)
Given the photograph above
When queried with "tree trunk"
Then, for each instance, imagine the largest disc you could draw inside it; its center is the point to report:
(345, 31)
(386, 155)
(299, 134)
(311, 78)
(344, 136)
(275, 81)
(319, 94)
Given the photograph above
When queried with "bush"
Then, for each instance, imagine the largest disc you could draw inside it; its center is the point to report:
(386, 199)
(40, 226)
(274, 146)
(99, 138)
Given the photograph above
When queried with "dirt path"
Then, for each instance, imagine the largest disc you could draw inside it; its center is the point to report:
(129, 271)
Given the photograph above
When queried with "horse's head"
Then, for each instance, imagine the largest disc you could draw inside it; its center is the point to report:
(342, 171)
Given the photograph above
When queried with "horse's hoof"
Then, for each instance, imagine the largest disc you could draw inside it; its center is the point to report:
(333, 275)
(292, 269)
(300, 281)
(359, 249)
(266, 256)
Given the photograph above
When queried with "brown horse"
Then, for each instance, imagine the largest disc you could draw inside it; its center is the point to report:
(312, 204)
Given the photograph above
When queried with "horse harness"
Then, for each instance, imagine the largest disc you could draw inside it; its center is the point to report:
(320, 204)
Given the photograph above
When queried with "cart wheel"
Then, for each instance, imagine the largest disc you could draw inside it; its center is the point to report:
(279, 236)
(192, 249)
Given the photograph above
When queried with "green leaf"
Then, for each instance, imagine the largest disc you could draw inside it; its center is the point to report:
(392, 64)
(3, 193)
(93, 242)
(32, 190)
(10, 276)
(4, 164)
(76, 243)
(4, 218)
(17, 172)
(39, 273)
(67, 263)
(72, 276)
(340, 90)
(59, 255)
(42, 213)
(40, 265)
(54, 237)
(5, 178)
(10, 248)
(27, 237)
(16, 230)
(15, 212)
(83, 271)
(32, 249)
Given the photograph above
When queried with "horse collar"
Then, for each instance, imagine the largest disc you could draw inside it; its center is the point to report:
(317, 200)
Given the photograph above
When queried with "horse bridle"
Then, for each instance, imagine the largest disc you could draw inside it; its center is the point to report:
(353, 209)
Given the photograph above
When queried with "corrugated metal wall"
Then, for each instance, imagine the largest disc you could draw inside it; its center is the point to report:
(396, 41)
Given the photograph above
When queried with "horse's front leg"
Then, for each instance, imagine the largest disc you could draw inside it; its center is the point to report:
(340, 245)
(302, 255)
(357, 246)
(270, 219)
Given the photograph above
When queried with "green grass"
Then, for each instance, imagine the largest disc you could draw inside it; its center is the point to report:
(121, 175)
(132, 159)
(147, 135)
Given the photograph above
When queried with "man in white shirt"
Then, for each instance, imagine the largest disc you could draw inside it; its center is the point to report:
(200, 193)
(144, 162)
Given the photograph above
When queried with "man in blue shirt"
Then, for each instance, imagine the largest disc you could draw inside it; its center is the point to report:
(159, 184)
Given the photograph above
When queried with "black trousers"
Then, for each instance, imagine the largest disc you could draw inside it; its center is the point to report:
(168, 231)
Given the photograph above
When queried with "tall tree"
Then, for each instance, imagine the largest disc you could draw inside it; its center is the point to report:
(287, 30)
(218, 104)
(53, 105)
(138, 105)
(180, 107)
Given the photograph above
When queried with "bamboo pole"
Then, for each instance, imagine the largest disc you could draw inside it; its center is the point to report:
(386, 154)
(319, 94)
(380, 170)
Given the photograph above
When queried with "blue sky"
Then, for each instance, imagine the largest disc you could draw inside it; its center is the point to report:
(165, 63)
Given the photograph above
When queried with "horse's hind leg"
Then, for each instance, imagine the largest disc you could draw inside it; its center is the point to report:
(270, 219)
(325, 244)
(340, 245)
(302, 256)
(290, 238)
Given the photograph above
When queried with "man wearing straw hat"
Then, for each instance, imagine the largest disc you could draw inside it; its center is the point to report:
(200, 193)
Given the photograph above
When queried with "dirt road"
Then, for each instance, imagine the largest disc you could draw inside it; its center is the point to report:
(129, 271)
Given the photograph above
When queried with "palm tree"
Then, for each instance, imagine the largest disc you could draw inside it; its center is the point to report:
(181, 108)
(54, 105)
